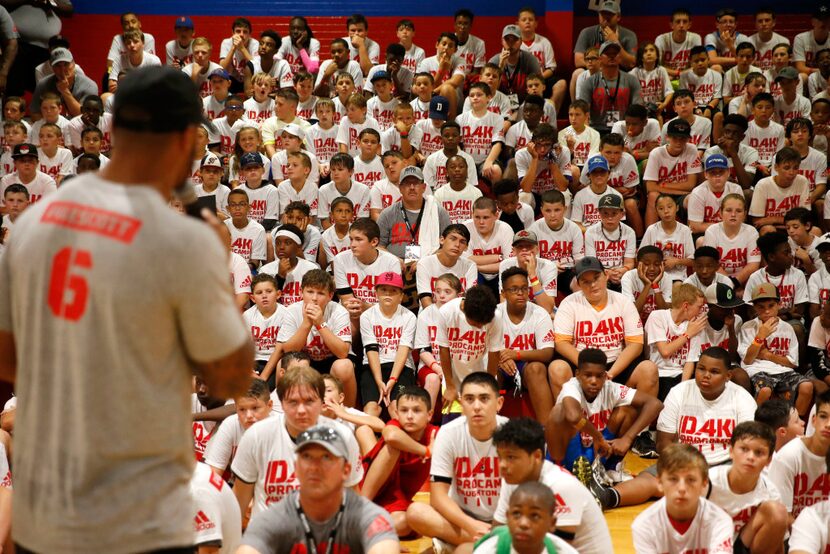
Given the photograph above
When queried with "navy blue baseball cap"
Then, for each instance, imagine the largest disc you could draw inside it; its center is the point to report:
(439, 108)
(715, 161)
(250, 158)
(381, 76)
(183, 22)
(597, 162)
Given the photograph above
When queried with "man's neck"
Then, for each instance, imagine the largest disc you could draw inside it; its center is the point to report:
(388, 311)
(765, 36)
(297, 184)
(413, 207)
(513, 59)
(341, 229)
(679, 36)
(599, 189)
(610, 72)
(320, 510)
(221, 96)
(136, 59)
(458, 186)
(450, 152)
(209, 188)
(240, 223)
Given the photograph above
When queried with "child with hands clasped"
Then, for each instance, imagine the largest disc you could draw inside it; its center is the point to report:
(649, 286)
(388, 332)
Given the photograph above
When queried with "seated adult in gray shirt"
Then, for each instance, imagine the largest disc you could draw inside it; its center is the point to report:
(608, 29)
(71, 86)
(609, 91)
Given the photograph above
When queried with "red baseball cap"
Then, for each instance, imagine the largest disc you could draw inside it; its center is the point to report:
(390, 279)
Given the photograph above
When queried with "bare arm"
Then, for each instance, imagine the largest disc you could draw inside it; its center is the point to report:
(628, 355)
(244, 493)
(228, 376)
(664, 439)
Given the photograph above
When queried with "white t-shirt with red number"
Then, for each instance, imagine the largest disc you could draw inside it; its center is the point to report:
(349, 132)
(263, 200)
(701, 132)
(471, 465)
(546, 271)
(564, 246)
(608, 328)
(705, 424)
(811, 529)
(336, 318)
(735, 252)
(770, 200)
(369, 172)
(308, 195)
(264, 330)
(388, 334)
(332, 244)
(384, 194)
(632, 287)
(469, 346)
(584, 208)
(350, 274)
(457, 203)
(533, 332)
(800, 476)
(59, 164)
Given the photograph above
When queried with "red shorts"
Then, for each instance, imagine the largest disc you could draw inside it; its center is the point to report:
(423, 373)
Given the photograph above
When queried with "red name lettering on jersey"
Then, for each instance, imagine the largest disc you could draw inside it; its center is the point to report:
(711, 215)
(243, 246)
(368, 178)
(806, 493)
(486, 467)
(555, 250)
(674, 174)
(520, 342)
(481, 252)
(470, 337)
(611, 246)
(712, 432)
(604, 327)
(82, 218)
(387, 332)
(258, 208)
(773, 208)
(765, 144)
(227, 144)
(479, 133)
(353, 140)
(292, 292)
(735, 255)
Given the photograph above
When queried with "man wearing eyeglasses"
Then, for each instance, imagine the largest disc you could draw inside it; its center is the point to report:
(322, 516)
(528, 341)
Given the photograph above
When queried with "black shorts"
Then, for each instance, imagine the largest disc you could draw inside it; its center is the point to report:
(369, 389)
(563, 282)
(624, 375)
(259, 365)
(666, 384)
(324, 366)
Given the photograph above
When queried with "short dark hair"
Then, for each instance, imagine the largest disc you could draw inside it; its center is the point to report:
(683, 93)
(591, 356)
(728, 12)
(449, 35)
(458, 229)
(288, 94)
(512, 272)
(258, 389)
(775, 413)
(342, 160)
(754, 430)
(695, 50)
(480, 378)
(479, 304)
(356, 19)
(552, 197)
(318, 278)
(263, 278)
(717, 353)
(416, 392)
(736, 119)
(297, 206)
(745, 46)
(535, 100)
(367, 226)
(800, 214)
(798, 122)
(272, 34)
(342, 200)
(505, 186)
(18, 188)
(612, 139)
(94, 159)
(787, 154)
(369, 131)
(648, 249)
(769, 242)
(762, 97)
(450, 125)
(464, 12)
(522, 432)
(396, 50)
(545, 131)
(637, 110)
(241, 22)
(823, 399)
(405, 23)
(707, 252)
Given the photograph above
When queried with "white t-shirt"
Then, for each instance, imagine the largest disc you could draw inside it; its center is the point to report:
(457, 204)
(490, 546)
(518, 135)
(38, 187)
(610, 247)
(308, 195)
(291, 291)
(472, 465)
(202, 81)
(430, 65)
(632, 288)
(388, 334)
(546, 271)
(264, 330)
(348, 133)
(675, 55)
(710, 531)
(705, 424)
(784, 111)
(819, 286)
(404, 77)
(332, 244)
(382, 112)
(792, 286)
(336, 318)
(704, 88)
(238, 62)
(480, 133)
(249, 242)
(263, 201)
(746, 154)
(430, 268)
(585, 143)
(655, 85)
(225, 133)
(322, 142)
(430, 136)
(353, 276)
(240, 274)
(813, 167)
(122, 64)
(701, 132)
(733, 80)
(291, 54)
(664, 168)
(426, 330)
(413, 57)
(584, 208)
(598, 411)
(257, 112)
(435, 169)
(563, 246)
(805, 48)
(220, 194)
(624, 174)
(575, 507)
(608, 329)
(650, 133)
(704, 204)
(59, 164)
(72, 132)
(763, 49)
(221, 448)
(800, 476)
(766, 140)
(534, 332)
(740, 507)
(384, 194)
(811, 529)
(468, 345)
(678, 244)
(216, 517)
(770, 200)
(660, 327)
(358, 193)
(117, 47)
(735, 252)
(782, 342)
(369, 172)
(711, 337)
(266, 457)
(499, 242)
(390, 139)
(471, 54)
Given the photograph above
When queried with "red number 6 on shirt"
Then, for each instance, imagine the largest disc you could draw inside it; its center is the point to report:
(68, 292)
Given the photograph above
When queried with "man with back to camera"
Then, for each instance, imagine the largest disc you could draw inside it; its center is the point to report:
(102, 357)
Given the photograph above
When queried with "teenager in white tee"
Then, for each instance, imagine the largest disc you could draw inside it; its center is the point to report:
(217, 520)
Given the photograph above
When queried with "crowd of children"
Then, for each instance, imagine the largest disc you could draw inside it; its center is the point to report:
(417, 247)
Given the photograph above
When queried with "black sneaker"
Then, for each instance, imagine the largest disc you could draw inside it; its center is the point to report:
(603, 495)
(644, 446)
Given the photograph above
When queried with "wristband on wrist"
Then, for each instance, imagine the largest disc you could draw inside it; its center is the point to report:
(535, 282)
(428, 453)
(404, 135)
(655, 286)
(538, 294)
(758, 341)
(580, 424)
(685, 336)
(432, 365)
(393, 379)
(318, 327)
(518, 356)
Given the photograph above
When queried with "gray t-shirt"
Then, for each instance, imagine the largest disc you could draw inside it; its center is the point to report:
(81, 88)
(394, 234)
(279, 529)
(592, 37)
(7, 28)
(109, 293)
(609, 98)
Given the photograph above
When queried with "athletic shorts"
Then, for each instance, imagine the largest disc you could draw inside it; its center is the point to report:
(780, 383)
(583, 446)
(666, 384)
(324, 366)
(369, 389)
(423, 373)
(259, 365)
(623, 376)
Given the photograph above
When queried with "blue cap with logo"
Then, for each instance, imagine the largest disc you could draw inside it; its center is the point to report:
(439, 108)
(597, 162)
(250, 158)
(716, 161)
(183, 22)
